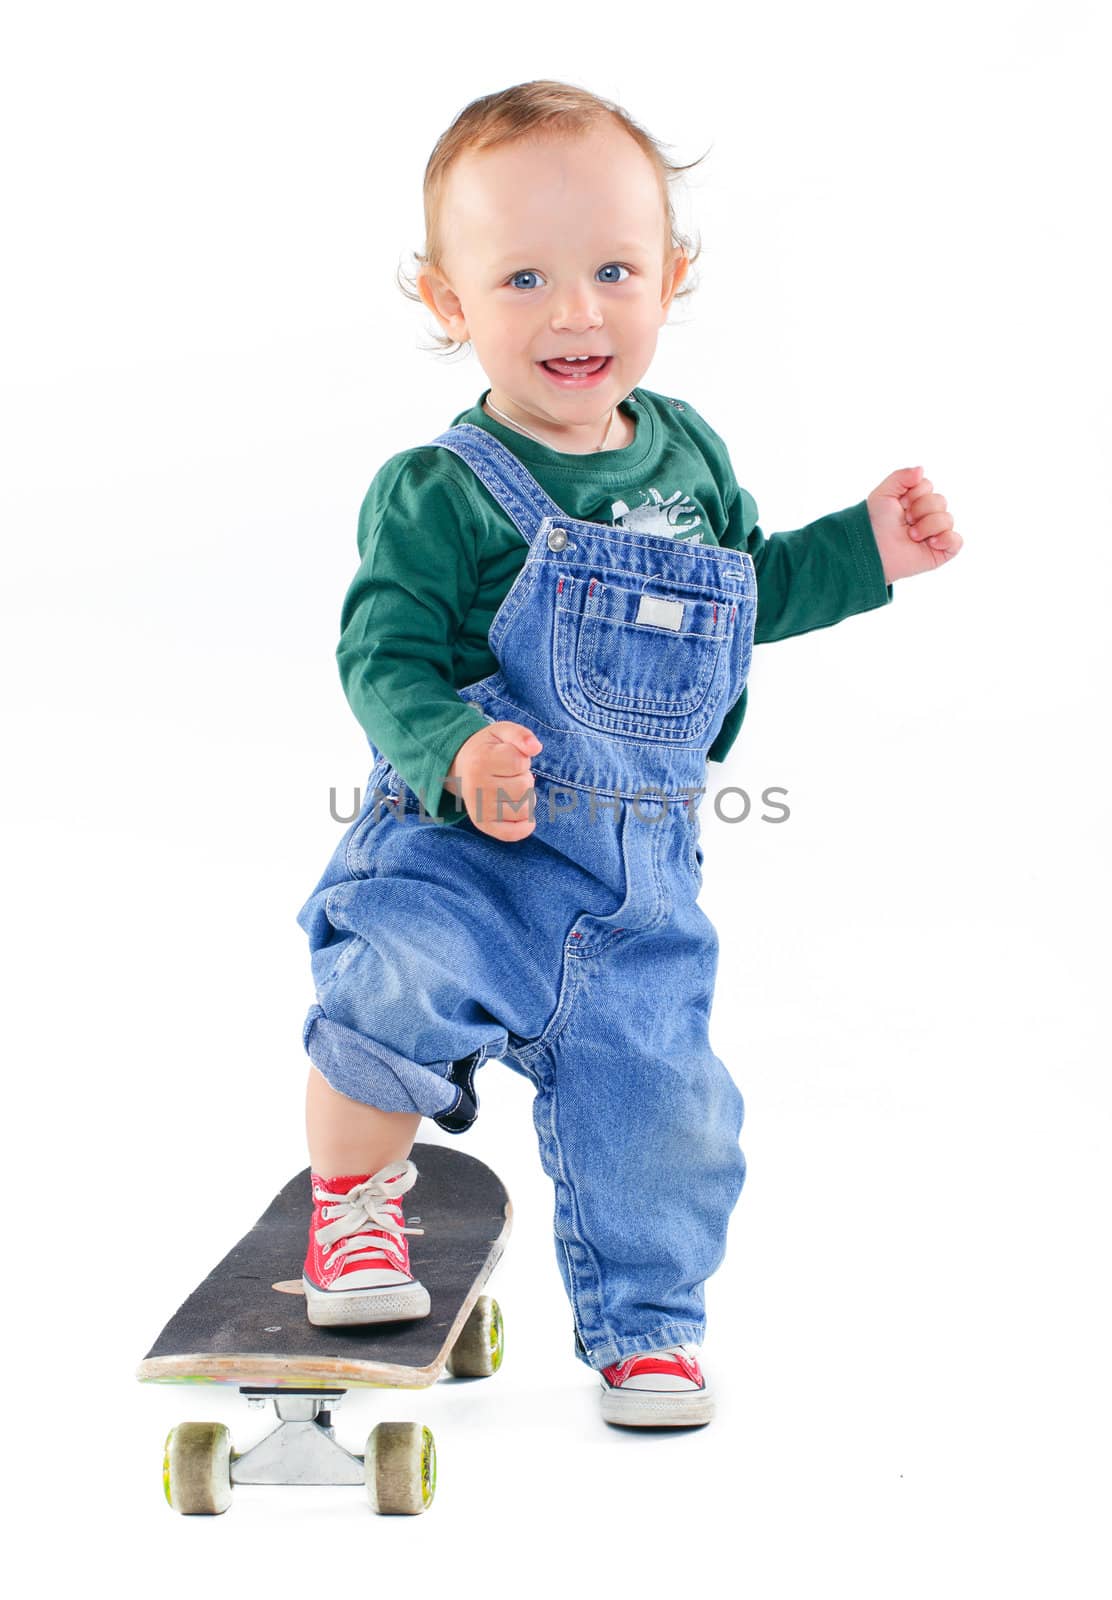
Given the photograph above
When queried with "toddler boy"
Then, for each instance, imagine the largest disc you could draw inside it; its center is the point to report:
(549, 634)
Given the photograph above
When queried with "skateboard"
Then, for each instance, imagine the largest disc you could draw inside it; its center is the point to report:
(246, 1325)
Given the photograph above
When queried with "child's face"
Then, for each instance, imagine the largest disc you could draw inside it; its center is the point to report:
(556, 249)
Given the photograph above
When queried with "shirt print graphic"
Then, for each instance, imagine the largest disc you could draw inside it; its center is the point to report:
(657, 515)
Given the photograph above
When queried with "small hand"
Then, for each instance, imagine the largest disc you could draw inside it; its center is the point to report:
(491, 774)
(913, 530)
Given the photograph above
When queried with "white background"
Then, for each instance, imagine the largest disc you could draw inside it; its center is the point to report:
(905, 261)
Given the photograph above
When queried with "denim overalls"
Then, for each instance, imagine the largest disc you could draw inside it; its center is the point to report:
(577, 955)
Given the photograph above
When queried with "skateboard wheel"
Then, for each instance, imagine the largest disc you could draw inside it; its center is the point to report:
(197, 1468)
(400, 1468)
(477, 1353)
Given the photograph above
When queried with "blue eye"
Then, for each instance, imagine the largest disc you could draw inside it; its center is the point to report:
(528, 272)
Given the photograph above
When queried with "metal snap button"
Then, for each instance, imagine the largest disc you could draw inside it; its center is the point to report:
(557, 538)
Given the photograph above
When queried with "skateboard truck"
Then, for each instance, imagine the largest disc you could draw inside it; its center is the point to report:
(303, 1447)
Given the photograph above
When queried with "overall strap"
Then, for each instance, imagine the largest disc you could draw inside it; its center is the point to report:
(509, 481)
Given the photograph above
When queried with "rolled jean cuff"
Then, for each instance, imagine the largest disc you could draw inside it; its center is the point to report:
(364, 1070)
(661, 1338)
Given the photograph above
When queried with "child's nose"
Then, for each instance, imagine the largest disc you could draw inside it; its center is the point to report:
(577, 308)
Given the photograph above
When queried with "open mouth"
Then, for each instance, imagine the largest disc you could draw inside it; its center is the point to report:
(577, 374)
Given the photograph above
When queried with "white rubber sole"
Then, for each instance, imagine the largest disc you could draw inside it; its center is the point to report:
(331, 1308)
(646, 1408)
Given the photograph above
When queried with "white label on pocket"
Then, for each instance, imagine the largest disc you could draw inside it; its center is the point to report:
(660, 613)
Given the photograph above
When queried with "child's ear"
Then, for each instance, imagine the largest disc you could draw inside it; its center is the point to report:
(443, 301)
(674, 276)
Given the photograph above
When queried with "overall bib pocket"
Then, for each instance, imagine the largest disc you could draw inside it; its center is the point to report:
(648, 661)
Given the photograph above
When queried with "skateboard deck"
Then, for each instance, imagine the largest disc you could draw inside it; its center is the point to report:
(246, 1323)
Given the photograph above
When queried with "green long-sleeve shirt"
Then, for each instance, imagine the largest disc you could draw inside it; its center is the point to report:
(438, 555)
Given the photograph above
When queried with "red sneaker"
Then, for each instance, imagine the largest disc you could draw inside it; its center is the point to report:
(357, 1266)
(663, 1388)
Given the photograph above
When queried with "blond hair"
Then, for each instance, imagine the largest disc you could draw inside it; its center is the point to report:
(543, 108)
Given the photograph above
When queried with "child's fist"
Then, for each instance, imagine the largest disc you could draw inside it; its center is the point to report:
(494, 781)
(912, 528)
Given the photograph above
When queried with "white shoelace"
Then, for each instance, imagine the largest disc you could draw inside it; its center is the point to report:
(362, 1207)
